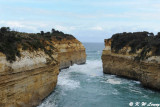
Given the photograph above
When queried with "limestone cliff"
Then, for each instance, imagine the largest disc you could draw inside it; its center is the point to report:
(28, 80)
(70, 52)
(135, 56)
(30, 63)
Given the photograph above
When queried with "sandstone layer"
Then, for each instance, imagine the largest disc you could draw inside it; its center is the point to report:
(135, 65)
(25, 82)
(70, 52)
(32, 76)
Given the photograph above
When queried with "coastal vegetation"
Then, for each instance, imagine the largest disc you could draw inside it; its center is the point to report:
(137, 40)
(11, 42)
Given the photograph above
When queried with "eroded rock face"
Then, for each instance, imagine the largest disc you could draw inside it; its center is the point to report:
(28, 80)
(33, 76)
(124, 63)
(70, 52)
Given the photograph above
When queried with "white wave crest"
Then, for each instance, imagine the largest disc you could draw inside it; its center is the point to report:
(47, 104)
(113, 81)
(65, 81)
(92, 68)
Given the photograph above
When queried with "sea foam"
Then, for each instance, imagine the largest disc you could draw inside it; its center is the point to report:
(91, 68)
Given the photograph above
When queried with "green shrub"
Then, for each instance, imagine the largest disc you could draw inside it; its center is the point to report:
(9, 41)
(137, 40)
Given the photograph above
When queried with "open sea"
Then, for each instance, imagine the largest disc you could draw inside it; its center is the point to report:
(87, 86)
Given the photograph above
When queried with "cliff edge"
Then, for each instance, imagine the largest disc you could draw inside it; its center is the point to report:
(30, 63)
(134, 55)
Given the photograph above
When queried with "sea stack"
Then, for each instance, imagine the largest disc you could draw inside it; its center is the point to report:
(30, 64)
(135, 56)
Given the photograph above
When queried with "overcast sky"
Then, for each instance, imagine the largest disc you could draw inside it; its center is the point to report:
(87, 20)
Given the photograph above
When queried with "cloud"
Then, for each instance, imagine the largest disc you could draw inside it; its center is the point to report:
(23, 26)
(97, 28)
(85, 19)
(36, 26)
(68, 29)
(90, 33)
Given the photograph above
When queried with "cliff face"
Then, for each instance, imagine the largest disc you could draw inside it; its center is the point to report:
(28, 80)
(142, 64)
(32, 75)
(70, 52)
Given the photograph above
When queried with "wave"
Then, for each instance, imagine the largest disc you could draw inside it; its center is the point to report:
(92, 68)
(65, 81)
(113, 81)
(91, 72)
(48, 104)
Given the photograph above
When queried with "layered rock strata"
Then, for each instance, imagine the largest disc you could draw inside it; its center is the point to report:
(70, 52)
(140, 62)
(26, 80)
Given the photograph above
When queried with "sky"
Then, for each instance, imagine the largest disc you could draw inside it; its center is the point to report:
(87, 20)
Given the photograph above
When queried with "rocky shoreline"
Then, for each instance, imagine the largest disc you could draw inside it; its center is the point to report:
(30, 76)
(139, 62)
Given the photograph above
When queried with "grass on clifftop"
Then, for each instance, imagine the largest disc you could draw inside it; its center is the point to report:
(137, 40)
(10, 41)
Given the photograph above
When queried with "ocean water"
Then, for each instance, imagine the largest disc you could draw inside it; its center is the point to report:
(87, 86)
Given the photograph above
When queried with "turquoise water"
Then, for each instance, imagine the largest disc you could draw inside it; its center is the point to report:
(87, 86)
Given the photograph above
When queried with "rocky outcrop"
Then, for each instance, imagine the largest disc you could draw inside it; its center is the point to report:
(28, 80)
(70, 52)
(32, 75)
(139, 61)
